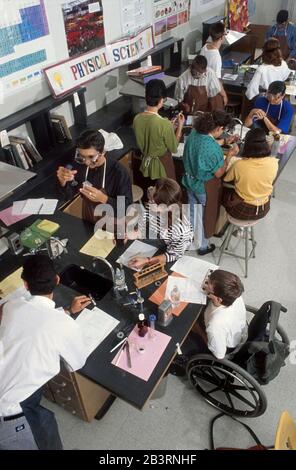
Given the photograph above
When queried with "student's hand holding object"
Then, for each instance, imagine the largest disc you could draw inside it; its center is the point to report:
(79, 303)
(94, 195)
(65, 175)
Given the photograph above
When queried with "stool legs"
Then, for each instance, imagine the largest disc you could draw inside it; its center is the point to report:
(248, 236)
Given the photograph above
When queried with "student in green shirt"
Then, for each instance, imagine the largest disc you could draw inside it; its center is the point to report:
(157, 137)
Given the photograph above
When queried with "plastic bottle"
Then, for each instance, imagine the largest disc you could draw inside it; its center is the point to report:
(120, 278)
(142, 325)
(175, 296)
(73, 182)
(152, 320)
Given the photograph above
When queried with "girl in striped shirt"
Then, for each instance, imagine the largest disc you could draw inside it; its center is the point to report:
(164, 219)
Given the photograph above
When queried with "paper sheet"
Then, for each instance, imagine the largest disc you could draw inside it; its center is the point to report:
(137, 248)
(95, 326)
(9, 219)
(291, 90)
(48, 206)
(180, 150)
(101, 244)
(112, 141)
(32, 206)
(230, 76)
(17, 207)
(11, 283)
(20, 292)
(190, 291)
(194, 268)
(143, 363)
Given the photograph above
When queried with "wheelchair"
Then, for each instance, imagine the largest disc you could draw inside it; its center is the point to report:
(226, 384)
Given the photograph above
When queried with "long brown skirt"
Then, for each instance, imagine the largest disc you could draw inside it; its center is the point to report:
(213, 189)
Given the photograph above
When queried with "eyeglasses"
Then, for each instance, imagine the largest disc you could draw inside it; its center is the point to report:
(92, 158)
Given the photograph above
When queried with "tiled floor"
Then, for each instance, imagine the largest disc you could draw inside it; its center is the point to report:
(180, 419)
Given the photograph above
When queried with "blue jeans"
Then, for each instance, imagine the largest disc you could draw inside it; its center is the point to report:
(197, 203)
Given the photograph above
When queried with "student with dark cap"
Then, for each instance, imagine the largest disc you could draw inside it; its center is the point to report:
(285, 32)
(157, 138)
(199, 89)
(34, 337)
(272, 113)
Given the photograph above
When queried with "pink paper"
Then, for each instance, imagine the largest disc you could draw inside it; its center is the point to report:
(143, 363)
(9, 219)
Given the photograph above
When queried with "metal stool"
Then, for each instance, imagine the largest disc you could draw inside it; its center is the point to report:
(233, 225)
(137, 193)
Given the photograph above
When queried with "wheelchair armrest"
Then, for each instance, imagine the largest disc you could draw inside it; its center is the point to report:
(251, 309)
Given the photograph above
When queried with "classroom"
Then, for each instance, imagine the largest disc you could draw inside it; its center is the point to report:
(147, 219)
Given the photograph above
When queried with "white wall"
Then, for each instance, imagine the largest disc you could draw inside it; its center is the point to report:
(106, 89)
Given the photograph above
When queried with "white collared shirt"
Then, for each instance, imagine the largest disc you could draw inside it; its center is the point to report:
(208, 79)
(225, 326)
(214, 59)
(34, 336)
(265, 75)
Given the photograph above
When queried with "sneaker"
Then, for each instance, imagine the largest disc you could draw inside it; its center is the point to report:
(209, 249)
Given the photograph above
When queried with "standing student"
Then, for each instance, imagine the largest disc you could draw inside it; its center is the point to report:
(204, 166)
(34, 337)
(272, 112)
(273, 68)
(156, 136)
(211, 49)
(108, 178)
(199, 89)
(285, 32)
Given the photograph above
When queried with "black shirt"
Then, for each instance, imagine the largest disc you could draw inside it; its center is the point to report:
(117, 183)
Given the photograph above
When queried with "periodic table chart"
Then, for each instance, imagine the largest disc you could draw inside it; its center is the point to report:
(25, 44)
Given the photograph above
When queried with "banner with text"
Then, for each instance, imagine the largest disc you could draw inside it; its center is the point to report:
(70, 74)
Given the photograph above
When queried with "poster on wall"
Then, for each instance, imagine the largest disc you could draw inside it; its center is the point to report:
(168, 14)
(25, 44)
(84, 25)
(238, 14)
(72, 73)
(200, 6)
(133, 16)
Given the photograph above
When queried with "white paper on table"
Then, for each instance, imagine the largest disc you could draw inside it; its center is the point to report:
(32, 206)
(194, 268)
(95, 326)
(233, 36)
(20, 292)
(291, 90)
(17, 207)
(137, 248)
(190, 290)
(48, 206)
(230, 76)
(180, 150)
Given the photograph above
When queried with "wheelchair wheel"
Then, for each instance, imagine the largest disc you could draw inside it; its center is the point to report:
(226, 386)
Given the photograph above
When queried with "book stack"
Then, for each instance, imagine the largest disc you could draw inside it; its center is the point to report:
(144, 74)
(60, 128)
(21, 152)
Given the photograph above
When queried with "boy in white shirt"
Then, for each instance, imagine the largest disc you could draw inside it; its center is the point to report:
(225, 324)
(211, 49)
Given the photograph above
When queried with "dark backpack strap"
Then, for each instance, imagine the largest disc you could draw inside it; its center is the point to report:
(251, 432)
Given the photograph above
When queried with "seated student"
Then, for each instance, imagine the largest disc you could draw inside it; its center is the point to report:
(156, 136)
(285, 32)
(225, 323)
(108, 177)
(273, 68)
(198, 88)
(253, 176)
(163, 219)
(211, 49)
(272, 113)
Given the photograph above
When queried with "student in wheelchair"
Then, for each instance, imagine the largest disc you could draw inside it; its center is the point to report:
(224, 325)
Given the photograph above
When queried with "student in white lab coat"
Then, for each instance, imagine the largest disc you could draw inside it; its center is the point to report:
(34, 336)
